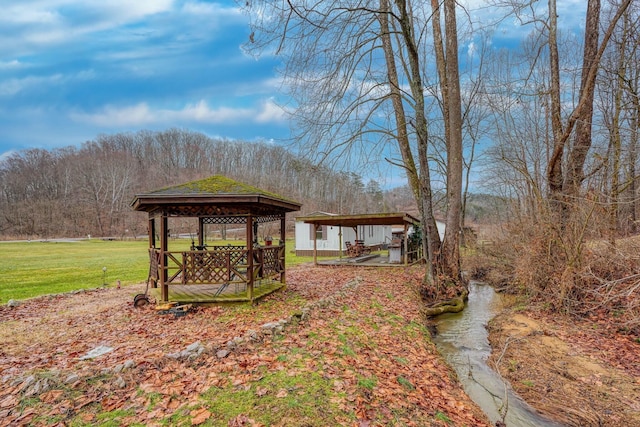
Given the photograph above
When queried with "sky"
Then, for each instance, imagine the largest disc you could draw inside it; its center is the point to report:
(71, 70)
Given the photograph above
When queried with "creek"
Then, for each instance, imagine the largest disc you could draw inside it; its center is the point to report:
(462, 339)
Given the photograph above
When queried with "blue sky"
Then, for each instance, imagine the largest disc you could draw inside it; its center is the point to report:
(73, 69)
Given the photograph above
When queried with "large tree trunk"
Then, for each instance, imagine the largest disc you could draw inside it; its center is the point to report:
(582, 141)
(421, 178)
(451, 246)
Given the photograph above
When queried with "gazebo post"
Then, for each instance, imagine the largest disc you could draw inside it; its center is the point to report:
(164, 244)
(283, 242)
(152, 246)
(200, 231)
(152, 232)
(250, 238)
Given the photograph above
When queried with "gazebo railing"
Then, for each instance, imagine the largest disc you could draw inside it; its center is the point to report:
(219, 265)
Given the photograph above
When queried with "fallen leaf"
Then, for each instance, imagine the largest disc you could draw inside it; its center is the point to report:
(199, 416)
(8, 402)
(282, 393)
(51, 396)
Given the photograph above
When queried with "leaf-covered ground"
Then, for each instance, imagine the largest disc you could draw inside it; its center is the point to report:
(339, 346)
(579, 372)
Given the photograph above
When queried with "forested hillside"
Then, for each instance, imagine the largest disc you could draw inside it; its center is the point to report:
(87, 190)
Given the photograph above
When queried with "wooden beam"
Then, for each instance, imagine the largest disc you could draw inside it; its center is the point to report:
(164, 244)
(250, 238)
(315, 243)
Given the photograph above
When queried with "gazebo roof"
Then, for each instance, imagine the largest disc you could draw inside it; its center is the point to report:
(213, 197)
(392, 218)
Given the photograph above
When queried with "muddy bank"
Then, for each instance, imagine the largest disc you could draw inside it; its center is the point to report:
(577, 373)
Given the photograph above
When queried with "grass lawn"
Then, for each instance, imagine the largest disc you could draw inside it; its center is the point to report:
(29, 269)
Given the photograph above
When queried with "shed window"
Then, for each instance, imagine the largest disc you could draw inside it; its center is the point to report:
(319, 233)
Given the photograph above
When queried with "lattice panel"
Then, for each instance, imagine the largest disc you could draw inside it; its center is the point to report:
(154, 265)
(272, 261)
(225, 220)
(216, 266)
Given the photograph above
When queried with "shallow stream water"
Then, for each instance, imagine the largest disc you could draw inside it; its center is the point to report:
(462, 339)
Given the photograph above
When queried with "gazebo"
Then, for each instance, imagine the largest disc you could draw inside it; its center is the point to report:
(216, 273)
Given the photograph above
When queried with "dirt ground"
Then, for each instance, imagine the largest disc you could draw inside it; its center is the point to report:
(577, 372)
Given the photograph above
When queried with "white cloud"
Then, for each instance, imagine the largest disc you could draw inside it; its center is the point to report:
(13, 86)
(270, 112)
(27, 25)
(14, 64)
(142, 115)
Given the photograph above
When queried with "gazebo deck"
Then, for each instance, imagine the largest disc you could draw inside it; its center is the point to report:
(234, 292)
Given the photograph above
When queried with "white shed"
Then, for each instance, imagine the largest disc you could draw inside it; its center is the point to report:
(328, 238)
(326, 234)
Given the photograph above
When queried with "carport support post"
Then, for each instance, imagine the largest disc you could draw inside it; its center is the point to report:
(406, 244)
(164, 244)
(315, 244)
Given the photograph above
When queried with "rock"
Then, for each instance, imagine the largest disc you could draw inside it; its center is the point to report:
(120, 382)
(98, 351)
(13, 303)
(129, 364)
(269, 326)
(221, 354)
(28, 381)
(231, 345)
(194, 347)
(72, 378)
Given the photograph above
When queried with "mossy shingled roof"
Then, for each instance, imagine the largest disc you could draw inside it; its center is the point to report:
(202, 195)
(215, 185)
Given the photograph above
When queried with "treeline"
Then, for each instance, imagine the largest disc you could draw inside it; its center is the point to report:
(76, 191)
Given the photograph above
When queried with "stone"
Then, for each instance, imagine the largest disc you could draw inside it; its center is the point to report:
(194, 347)
(221, 354)
(98, 351)
(269, 326)
(72, 378)
(13, 303)
(28, 381)
(129, 364)
(120, 382)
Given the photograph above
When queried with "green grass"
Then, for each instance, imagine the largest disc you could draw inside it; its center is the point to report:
(303, 398)
(37, 268)
(30, 269)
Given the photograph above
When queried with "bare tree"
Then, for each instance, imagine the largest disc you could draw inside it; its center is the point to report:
(356, 73)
